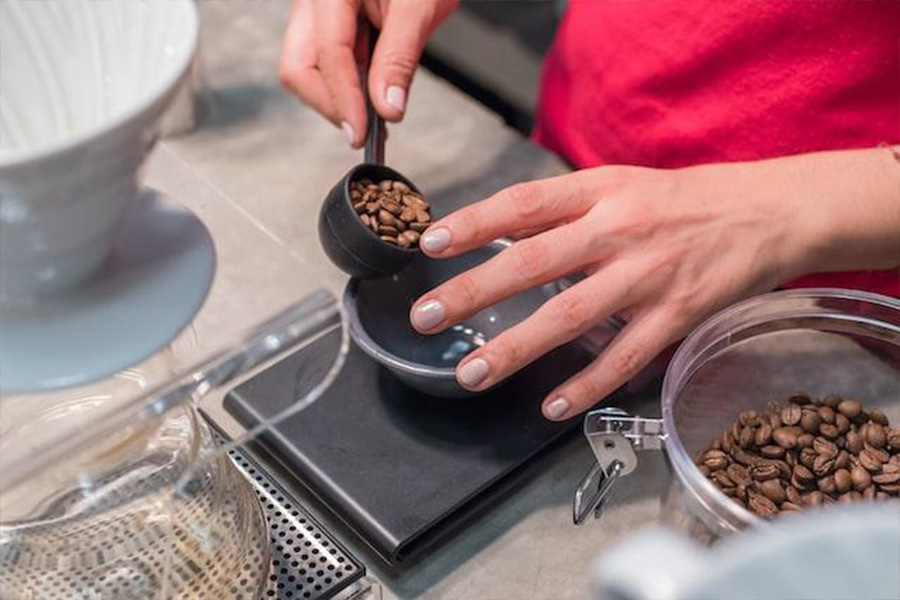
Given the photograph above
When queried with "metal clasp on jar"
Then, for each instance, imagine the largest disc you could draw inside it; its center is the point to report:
(613, 435)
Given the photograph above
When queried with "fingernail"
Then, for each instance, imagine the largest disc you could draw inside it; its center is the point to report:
(348, 132)
(429, 315)
(395, 96)
(435, 240)
(473, 372)
(556, 409)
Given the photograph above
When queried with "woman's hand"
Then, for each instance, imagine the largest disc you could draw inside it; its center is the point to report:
(318, 60)
(662, 249)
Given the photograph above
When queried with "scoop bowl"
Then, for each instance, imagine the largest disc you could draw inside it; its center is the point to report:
(378, 318)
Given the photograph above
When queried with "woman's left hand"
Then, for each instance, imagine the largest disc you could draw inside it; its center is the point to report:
(662, 249)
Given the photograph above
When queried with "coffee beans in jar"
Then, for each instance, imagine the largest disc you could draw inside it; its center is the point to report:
(803, 453)
(392, 210)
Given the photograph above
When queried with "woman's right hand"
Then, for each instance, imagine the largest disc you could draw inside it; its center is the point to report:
(318, 62)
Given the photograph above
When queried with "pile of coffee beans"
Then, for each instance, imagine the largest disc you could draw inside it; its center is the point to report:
(805, 453)
(394, 212)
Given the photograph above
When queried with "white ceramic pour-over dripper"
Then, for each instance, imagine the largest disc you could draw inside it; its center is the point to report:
(84, 86)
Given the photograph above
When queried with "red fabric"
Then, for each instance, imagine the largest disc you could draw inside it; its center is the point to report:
(672, 83)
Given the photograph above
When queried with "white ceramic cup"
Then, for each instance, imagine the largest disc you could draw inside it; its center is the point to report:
(84, 86)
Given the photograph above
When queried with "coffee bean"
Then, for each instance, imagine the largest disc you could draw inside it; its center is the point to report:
(790, 507)
(715, 460)
(861, 478)
(805, 440)
(762, 506)
(827, 414)
(772, 451)
(392, 207)
(878, 453)
(763, 434)
(823, 465)
(722, 479)
(383, 208)
(878, 417)
(869, 493)
(842, 480)
(785, 437)
(790, 458)
(800, 398)
(389, 239)
(814, 499)
(793, 495)
(365, 219)
(746, 438)
(791, 414)
(810, 421)
(419, 227)
(829, 431)
(764, 472)
(842, 460)
(772, 490)
(891, 488)
(886, 478)
(739, 474)
(802, 474)
(825, 447)
(869, 461)
(808, 457)
(360, 207)
(775, 419)
(854, 442)
(412, 236)
(831, 400)
(372, 208)
(842, 423)
(876, 435)
(826, 484)
(849, 408)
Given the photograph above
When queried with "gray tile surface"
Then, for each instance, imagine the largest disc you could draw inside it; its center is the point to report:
(276, 160)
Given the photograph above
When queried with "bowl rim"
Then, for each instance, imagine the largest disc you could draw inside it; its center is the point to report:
(362, 338)
(143, 104)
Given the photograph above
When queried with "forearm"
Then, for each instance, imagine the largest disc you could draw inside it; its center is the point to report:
(849, 203)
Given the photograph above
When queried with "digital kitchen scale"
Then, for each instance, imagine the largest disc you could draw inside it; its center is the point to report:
(400, 468)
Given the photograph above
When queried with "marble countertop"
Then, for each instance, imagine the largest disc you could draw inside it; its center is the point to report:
(277, 159)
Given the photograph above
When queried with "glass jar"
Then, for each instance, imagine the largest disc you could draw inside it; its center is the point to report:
(819, 341)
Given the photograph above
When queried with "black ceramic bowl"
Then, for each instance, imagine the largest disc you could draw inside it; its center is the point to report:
(349, 244)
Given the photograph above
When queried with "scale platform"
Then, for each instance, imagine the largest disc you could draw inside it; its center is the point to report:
(400, 468)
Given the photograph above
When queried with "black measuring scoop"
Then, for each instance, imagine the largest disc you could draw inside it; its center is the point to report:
(348, 242)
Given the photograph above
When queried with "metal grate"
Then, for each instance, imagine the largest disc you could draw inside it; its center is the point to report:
(307, 563)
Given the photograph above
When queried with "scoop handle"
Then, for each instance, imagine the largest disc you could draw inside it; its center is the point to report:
(376, 132)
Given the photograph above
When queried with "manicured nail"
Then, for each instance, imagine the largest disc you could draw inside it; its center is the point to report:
(395, 96)
(556, 409)
(435, 240)
(472, 372)
(429, 315)
(348, 132)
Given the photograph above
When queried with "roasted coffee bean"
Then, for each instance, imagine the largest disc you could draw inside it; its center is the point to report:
(764, 471)
(739, 474)
(775, 419)
(763, 434)
(793, 495)
(878, 417)
(849, 408)
(715, 460)
(722, 479)
(862, 479)
(392, 207)
(389, 239)
(726, 442)
(791, 414)
(842, 423)
(842, 460)
(412, 236)
(785, 437)
(388, 230)
(890, 488)
(869, 460)
(876, 436)
(814, 498)
(826, 485)
(878, 453)
(790, 507)
(886, 478)
(419, 227)
(805, 440)
(772, 490)
(829, 431)
(893, 438)
(810, 421)
(849, 497)
(745, 458)
(365, 219)
(762, 506)
(802, 474)
(746, 438)
(870, 492)
(827, 414)
(390, 204)
(790, 458)
(808, 457)
(842, 480)
(385, 218)
(772, 451)
(854, 442)
(825, 447)
(831, 400)
(360, 207)
(372, 208)
(800, 398)
(823, 465)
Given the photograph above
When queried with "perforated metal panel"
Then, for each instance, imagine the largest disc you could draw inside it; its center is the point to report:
(307, 563)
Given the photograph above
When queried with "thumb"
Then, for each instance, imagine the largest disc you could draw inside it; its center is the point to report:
(405, 31)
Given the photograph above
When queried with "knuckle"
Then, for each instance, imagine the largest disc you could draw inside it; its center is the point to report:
(571, 313)
(526, 200)
(401, 64)
(531, 261)
(629, 360)
(585, 391)
(507, 351)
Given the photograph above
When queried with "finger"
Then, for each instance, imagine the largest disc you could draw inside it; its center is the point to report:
(297, 68)
(644, 337)
(516, 208)
(336, 29)
(560, 320)
(522, 266)
(403, 36)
